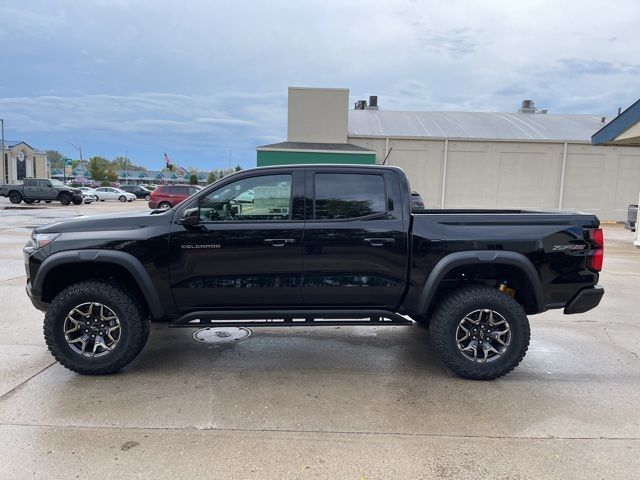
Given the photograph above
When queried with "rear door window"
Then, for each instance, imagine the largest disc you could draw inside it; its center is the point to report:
(348, 195)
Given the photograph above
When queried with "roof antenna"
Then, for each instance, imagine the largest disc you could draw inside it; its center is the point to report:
(384, 162)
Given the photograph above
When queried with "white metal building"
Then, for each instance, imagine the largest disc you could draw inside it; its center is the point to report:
(481, 159)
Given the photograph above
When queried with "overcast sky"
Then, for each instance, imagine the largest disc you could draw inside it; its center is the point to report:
(203, 80)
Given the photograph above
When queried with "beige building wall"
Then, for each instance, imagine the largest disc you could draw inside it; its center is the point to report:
(32, 165)
(600, 180)
(318, 115)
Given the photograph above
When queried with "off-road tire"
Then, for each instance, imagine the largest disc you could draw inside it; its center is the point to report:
(131, 312)
(421, 320)
(15, 197)
(64, 199)
(454, 308)
(77, 201)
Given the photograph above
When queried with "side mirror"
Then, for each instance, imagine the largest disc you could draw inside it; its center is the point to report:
(190, 217)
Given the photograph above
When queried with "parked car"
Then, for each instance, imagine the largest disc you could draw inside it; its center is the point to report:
(165, 197)
(138, 190)
(632, 217)
(87, 191)
(41, 189)
(111, 193)
(313, 245)
(88, 197)
(416, 201)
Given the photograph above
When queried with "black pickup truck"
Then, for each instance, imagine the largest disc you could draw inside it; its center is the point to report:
(311, 245)
(41, 189)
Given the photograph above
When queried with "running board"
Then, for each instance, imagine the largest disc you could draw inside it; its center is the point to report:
(289, 318)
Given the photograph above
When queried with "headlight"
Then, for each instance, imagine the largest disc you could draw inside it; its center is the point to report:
(42, 239)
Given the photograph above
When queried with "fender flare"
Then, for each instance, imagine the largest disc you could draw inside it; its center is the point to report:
(479, 257)
(122, 259)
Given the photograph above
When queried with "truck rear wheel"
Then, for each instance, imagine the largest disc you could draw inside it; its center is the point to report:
(15, 197)
(65, 198)
(480, 333)
(95, 327)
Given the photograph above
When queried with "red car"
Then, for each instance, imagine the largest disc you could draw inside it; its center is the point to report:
(165, 197)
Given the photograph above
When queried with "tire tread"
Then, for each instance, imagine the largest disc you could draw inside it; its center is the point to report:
(131, 308)
(446, 313)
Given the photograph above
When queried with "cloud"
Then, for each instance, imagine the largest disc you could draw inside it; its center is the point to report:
(451, 42)
(205, 77)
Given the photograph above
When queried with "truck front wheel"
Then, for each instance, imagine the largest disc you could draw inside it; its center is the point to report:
(65, 198)
(95, 327)
(480, 333)
(15, 197)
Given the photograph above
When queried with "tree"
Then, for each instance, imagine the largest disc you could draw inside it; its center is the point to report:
(125, 163)
(111, 173)
(54, 158)
(238, 168)
(193, 179)
(212, 177)
(99, 167)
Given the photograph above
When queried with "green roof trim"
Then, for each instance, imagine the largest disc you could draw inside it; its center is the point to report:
(272, 157)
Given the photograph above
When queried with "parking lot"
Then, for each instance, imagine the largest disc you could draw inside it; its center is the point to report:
(331, 402)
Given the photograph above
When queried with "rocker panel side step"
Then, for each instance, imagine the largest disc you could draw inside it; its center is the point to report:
(289, 318)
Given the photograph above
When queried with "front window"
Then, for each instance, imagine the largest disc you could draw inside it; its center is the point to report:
(57, 183)
(263, 198)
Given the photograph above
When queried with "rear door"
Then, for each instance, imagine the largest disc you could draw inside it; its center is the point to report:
(355, 244)
(30, 188)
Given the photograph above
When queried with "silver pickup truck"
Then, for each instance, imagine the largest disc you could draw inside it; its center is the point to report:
(41, 189)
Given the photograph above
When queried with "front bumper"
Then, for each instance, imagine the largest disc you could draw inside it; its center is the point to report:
(585, 300)
(35, 298)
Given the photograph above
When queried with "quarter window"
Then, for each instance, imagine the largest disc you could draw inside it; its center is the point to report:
(350, 195)
(263, 198)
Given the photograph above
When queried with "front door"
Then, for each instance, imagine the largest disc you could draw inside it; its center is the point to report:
(355, 245)
(246, 251)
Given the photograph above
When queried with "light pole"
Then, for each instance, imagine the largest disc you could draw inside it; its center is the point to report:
(84, 169)
(5, 166)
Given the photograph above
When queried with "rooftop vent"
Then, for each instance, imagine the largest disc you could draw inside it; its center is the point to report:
(527, 107)
(373, 103)
(360, 105)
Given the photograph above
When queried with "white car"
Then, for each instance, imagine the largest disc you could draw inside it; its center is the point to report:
(110, 193)
(88, 192)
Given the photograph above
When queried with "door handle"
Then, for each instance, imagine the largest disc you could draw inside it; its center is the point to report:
(378, 242)
(278, 242)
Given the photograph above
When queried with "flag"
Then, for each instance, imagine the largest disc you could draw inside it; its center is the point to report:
(167, 162)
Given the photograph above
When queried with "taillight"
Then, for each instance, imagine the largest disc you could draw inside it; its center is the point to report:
(597, 253)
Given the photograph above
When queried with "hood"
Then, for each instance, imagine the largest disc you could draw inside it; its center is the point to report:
(108, 222)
